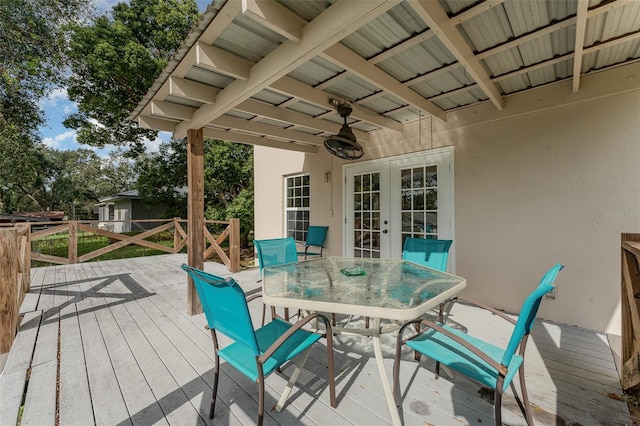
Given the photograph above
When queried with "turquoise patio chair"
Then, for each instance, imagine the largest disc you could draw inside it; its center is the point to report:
(255, 353)
(315, 238)
(428, 252)
(490, 365)
(275, 251)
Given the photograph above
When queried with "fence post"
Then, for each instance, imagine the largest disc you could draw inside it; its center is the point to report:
(176, 240)
(9, 297)
(234, 245)
(73, 241)
(25, 257)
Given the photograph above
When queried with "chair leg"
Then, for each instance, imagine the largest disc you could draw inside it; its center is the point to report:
(260, 399)
(331, 375)
(216, 375)
(525, 397)
(497, 401)
(293, 379)
(437, 370)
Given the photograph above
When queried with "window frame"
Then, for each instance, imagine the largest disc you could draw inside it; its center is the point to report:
(297, 204)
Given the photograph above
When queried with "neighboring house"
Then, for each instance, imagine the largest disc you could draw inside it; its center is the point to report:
(118, 213)
(510, 127)
(43, 216)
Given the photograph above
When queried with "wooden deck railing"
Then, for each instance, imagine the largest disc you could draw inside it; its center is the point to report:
(15, 279)
(74, 229)
(631, 312)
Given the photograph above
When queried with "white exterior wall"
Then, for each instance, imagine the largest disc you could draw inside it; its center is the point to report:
(559, 184)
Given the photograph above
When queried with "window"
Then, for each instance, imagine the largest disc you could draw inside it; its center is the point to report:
(297, 207)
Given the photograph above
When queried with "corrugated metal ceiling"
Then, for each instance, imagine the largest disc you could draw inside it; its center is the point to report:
(519, 45)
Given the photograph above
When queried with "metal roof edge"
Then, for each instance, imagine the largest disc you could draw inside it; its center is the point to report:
(183, 49)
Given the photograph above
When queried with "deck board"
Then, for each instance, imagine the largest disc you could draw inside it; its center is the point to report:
(129, 354)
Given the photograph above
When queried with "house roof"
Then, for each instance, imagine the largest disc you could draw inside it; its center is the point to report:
(42, 216)
(270, 72)
(131, 195)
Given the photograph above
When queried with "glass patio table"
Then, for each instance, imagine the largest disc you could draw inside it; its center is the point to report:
(390, 289)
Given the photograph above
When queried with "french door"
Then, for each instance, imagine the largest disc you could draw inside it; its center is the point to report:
(391, 199)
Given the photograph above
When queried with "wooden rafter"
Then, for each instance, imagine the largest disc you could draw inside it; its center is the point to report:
(581, 27)
(436, 18)
(335, 23)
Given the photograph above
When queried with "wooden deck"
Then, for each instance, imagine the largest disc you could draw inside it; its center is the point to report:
(110, 343)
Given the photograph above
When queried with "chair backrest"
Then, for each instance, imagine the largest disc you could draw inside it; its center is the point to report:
(529, 311)
(225, 307)
(316, 235)
(429, 252)
(276, 251)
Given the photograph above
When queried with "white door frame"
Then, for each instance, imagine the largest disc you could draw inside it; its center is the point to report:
(444, 157)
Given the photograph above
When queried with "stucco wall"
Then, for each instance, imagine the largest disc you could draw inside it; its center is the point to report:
(531, 189)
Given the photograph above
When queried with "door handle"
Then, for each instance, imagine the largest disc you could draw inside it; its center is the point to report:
(384, 231)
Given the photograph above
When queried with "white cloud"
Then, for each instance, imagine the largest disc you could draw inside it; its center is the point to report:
(56, 96)
(96, 123)
(57, 141)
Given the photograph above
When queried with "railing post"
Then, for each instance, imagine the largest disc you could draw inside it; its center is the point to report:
(73, 241)
(9, 297)
(234, 245)
(25, 256)
(176, 235)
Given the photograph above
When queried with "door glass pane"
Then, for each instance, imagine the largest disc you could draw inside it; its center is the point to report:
(419, 207)
(366, 215)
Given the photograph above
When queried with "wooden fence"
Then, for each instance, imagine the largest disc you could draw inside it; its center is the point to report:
(17, 243)
(15, 279)
(631, 312)
(73, 229)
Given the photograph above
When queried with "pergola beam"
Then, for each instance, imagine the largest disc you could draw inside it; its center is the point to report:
(256, 140)
(275, 17)
(581, 27)
(295, 118)
(436, 18)
(218, 60)
(355, 64)
(192, 90)
(266, 129)
(292, 87)
(331, 26)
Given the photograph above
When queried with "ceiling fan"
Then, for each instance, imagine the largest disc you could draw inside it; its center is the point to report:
(343, 145)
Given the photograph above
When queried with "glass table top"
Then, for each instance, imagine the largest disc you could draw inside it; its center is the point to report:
(393, 288)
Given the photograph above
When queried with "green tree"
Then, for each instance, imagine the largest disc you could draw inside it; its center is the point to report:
(115, 59)
(33, 36)
(229, 183)
(162, 179)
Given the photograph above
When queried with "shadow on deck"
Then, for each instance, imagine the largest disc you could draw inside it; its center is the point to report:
(110, 343)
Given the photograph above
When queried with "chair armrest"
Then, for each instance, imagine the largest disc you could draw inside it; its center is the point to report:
(479, 305)
(253, 297)
(501, 369)
(295, 327)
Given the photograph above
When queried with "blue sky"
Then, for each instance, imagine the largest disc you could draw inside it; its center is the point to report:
(57, 105)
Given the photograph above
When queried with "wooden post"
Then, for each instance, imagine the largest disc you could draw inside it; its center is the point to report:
(234, 245)
(195, 212)
(25, 259)
(176, 234)
(9, 309)
(630, 303)
(73, 241)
